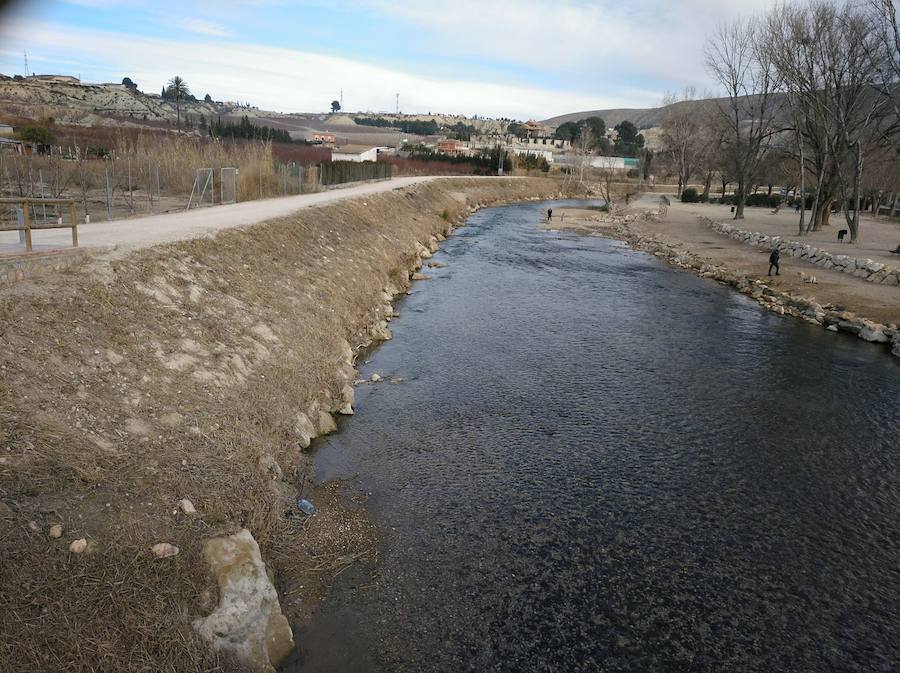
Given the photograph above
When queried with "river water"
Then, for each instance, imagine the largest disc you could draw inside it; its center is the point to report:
(595, 462)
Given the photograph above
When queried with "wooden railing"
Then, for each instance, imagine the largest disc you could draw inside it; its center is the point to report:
(27, 226)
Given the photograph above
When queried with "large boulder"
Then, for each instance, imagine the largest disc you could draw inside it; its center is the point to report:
(248, 623)
(874, 333)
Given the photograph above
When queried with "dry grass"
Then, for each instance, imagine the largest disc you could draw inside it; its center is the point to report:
(235, 335)
(140, 167)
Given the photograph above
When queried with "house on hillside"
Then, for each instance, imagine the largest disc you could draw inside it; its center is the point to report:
(448, 146)
(6, 131)
(356, 153)
(535, 129)
(326, 139)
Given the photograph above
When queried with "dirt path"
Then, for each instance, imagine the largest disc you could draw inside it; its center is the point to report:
(878, 236)
(142, 232)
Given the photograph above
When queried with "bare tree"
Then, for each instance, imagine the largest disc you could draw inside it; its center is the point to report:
(584, 141)
(680, 131)
(737, 58)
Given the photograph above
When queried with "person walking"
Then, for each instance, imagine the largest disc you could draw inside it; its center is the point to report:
(774, 258)
(549, 214)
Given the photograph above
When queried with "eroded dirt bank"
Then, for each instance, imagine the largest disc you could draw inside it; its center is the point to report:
(197, 370)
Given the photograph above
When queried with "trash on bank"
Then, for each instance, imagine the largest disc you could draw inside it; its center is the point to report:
(306, 506)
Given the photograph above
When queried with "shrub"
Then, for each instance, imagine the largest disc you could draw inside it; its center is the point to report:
(764, 200)
(689, 195)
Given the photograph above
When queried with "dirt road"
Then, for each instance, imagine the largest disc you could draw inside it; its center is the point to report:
(141, 232)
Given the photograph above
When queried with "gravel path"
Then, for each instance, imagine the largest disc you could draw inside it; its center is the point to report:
(140, 232)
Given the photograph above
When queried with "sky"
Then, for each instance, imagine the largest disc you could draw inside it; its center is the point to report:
(520, 59)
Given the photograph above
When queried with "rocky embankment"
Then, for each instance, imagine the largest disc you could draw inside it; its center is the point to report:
(155, 413)
(619, 225)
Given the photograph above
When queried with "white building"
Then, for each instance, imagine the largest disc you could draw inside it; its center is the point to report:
(357, 153)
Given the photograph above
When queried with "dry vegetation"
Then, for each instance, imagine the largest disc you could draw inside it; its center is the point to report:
(178, 372)
(144, 172)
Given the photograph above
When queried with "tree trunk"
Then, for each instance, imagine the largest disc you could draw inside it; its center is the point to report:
(857, 179)
(706, 186)
(893, 205)
(724, 185)
(802, 187)
(739, 201)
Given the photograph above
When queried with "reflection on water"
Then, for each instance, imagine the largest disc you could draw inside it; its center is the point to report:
(598, 463)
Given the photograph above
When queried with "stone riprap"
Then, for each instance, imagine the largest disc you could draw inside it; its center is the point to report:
(870, 270)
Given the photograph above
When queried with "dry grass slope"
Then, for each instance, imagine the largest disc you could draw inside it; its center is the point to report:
(178, 372)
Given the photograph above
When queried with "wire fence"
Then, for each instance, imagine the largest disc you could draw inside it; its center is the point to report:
(144, 180)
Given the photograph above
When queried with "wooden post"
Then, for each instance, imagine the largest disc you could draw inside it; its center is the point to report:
(27, 224)
(74, 224)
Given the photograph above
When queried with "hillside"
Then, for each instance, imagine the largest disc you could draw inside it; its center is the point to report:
(113, 105)
(99, 104)
(643, 118)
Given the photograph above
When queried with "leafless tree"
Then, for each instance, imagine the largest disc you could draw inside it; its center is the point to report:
(737, 58)
(584, 142)
(680, 134)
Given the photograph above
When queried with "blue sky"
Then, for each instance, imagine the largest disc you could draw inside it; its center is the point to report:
(515, 58)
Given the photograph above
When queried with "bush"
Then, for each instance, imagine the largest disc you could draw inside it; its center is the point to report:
(689, 195)
(764, 200)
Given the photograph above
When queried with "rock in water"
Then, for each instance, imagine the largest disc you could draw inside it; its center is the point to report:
(248, 623)
(164, 550)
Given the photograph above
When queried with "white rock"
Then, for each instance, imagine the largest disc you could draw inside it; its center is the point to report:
(304, 429)
(78, 546)
(375, 378)
(56, 531)
(248, 623)
(187, 506)
(164, 550)
(873, 333)
(347, 399)
(326, 423)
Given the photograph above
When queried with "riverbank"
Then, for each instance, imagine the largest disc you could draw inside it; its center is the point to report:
(685, 238)
(156, 402)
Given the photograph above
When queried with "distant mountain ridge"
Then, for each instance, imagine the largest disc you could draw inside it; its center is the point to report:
(643, 118)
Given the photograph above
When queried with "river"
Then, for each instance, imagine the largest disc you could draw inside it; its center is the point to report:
(595, 462)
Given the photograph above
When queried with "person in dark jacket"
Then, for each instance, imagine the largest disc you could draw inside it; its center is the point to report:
(774, 258)
(549, 214)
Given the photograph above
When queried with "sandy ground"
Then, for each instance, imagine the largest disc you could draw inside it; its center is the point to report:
(877, 235)
(141, 232)
(682, 227)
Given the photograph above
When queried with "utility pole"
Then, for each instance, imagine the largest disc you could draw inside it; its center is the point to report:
(500, 162)
(26, 64)
(342, 99)
(398, 104)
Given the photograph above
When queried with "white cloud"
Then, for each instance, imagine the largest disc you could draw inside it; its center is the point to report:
(644, 38)
(203, 27)
(290, 80)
